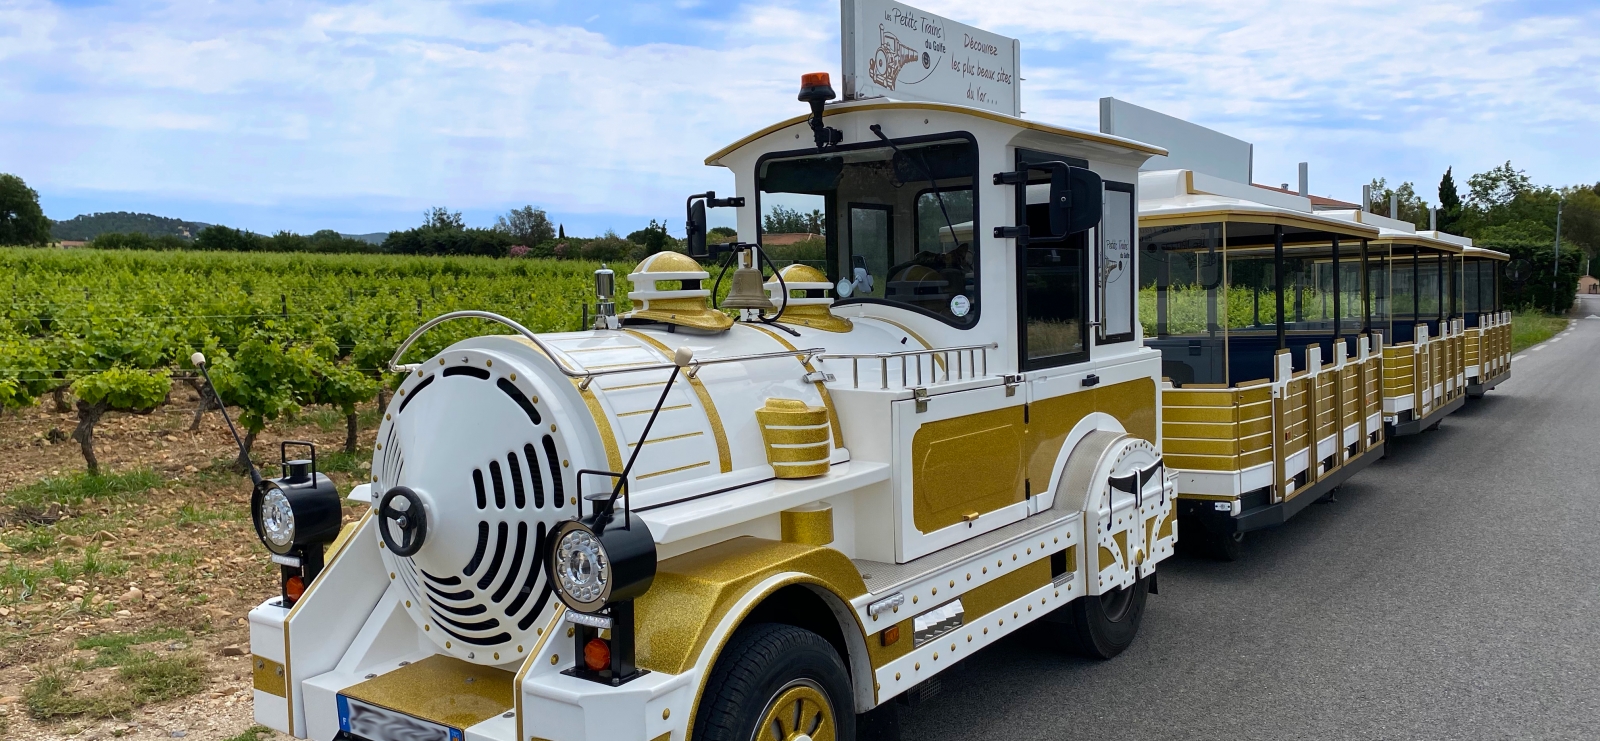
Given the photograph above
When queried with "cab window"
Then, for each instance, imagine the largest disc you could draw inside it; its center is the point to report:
(898, 223)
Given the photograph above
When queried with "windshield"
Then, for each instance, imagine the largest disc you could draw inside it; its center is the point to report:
(886, 226)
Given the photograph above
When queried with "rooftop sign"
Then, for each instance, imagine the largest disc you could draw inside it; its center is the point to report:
(892, 50)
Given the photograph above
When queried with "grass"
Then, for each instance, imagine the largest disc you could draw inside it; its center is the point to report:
(114, 649)
(30, 540)
(1530, 327)
(142, 677)
(250, 734)
(78, 488)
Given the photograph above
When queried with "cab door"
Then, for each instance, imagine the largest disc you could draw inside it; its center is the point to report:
(962, 471)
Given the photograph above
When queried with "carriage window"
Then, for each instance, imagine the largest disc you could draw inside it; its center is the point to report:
(896, 227)
(1116, 264)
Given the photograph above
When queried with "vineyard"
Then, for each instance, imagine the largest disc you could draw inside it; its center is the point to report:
(115, 330)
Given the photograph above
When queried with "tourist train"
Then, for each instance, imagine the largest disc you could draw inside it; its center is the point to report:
(1026, 363)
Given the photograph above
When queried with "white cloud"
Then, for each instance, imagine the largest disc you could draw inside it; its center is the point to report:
(399, 104)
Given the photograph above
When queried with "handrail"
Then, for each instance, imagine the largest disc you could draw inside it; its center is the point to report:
(586, 376)
(883, 358)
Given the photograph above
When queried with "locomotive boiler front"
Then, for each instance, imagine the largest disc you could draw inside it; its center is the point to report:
(472, 470)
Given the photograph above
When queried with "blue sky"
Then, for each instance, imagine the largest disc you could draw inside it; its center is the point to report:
(357, 116)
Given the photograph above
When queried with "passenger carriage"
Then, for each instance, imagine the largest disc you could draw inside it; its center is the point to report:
(692, 523)
(1488, 324)
(1272, 378)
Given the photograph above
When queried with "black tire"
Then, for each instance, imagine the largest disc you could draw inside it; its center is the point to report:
(1102, 626)
(1226, 546)
(767, 661)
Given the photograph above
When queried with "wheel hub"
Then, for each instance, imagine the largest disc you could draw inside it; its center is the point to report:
(798, 712)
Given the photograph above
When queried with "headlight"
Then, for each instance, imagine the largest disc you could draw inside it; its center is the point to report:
(582, 569)
(594, 566)
(277, 518)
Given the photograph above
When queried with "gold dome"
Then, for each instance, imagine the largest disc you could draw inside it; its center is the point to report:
(667, 261)
(806, 312)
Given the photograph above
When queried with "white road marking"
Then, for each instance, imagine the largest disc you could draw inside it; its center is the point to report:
(1537, 348)
(1555, 339)
(1519, 357)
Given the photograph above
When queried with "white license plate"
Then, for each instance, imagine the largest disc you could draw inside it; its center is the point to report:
(372, 723)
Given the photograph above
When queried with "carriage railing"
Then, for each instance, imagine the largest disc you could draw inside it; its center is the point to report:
(943, 365)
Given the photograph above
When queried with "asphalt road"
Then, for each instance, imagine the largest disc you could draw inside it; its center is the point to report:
(1452, 591)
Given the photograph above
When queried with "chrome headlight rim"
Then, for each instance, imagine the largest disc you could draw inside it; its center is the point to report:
(580, 568)
(277, 519)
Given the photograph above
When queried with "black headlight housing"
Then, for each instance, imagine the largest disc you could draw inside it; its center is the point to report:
(598, 565)
(296, 516)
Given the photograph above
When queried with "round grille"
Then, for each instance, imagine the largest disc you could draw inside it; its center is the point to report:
(477, 447)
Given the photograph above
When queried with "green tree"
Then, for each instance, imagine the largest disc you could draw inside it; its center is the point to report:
(224, 239)
(1497, 187)
(654, 238)
(1412, 207)
(21, 220)
(118, 389)
(440, 217)
(527, 226)
(1449, 203)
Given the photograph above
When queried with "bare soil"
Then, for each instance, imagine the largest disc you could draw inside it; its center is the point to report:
(178, 555)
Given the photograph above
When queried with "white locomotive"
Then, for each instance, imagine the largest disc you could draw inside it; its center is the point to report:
(681, 524)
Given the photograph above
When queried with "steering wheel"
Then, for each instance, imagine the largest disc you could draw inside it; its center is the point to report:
(401, 508)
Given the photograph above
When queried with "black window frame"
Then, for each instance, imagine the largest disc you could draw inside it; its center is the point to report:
(975, 315)
(1133, 267)
(1024, 157)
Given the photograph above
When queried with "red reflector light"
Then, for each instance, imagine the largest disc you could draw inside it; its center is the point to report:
(815, 79)
(293, 587)
(597, 654)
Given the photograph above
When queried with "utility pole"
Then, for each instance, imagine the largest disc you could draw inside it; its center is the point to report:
(1555, 266)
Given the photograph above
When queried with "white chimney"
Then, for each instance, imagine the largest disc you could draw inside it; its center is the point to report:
(1433, 219)
(1305, 179)
(1366, 198)
(1394, 205)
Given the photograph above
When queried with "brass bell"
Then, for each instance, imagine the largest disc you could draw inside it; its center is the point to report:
(748, 291)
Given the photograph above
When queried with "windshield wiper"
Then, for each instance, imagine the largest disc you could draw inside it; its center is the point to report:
(933, 182)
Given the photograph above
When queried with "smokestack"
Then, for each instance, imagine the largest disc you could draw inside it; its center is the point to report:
(1433, 219)
(1366, 198)
(1394, 205)
(1305, 179)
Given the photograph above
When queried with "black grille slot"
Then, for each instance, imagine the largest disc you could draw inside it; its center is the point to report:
(483, 546)
(499, 484)
(467, 370)
(453, 596)
(538, 607)
(477, 483)
(493, 640)
(554, 461)
(517, 494)
(462, 611)
(409, 397)
(535, 569)
(515, 568)
(498, 558)
(533, 471)
(449, 581)
(522, 401)
(489, 624)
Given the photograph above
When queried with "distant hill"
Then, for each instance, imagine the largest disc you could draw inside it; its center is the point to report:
(88, 226)
(373, 238)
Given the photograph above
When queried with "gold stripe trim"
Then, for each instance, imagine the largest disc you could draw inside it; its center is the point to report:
(672, 408)
(613, 455)
(827, 399)
(944, 108)
(635, 386)
(654, 440)
(1342, 228)
(724, 456)
(268, 676)
(288, 663)
(674, 470)
(527, 663)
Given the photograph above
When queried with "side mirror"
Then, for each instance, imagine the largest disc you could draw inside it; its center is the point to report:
(696, 228)
(1075, 199)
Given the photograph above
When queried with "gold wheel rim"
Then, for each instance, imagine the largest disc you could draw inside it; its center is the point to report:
(799, 711)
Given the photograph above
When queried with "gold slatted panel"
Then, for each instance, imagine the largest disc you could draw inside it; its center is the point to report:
(1475, 350)
(1327, 424)
(1398, 371)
